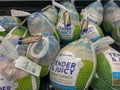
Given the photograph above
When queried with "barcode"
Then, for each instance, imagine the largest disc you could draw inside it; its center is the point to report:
(33, 70)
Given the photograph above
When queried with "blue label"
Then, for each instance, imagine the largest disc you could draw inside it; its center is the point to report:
(63, 67)
(91, 20)
(65, 30)
(62, 87)
(116, 74)
(95, 39)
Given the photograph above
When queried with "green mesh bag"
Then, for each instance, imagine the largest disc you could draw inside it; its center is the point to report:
(108, 71)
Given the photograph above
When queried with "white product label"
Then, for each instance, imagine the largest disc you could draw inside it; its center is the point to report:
(19, 13)
(103, 42)
(91, 33)
(113, 58)
(66, 32)
(2, 29)
(7, 85)
(65, 69)
(92, 18)
(28, 66)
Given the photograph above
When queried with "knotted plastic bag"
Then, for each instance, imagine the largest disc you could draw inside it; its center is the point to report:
(74, 66)
(93, 12)
(43, 52)
(68, 22)
(8, 22)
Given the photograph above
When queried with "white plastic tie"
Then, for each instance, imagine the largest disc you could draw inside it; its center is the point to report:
(52, 2)
(34, 84)
(84, 12)
(19, 13)
(61, 7)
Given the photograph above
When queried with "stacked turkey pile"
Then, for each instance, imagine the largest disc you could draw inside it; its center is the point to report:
(87, 59)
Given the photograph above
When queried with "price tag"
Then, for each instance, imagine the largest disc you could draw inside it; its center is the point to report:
(28, 66)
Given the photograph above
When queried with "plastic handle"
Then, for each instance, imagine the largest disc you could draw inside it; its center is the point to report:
(45, 43)
(19, 13)
(52, 2)
(59, 5)
(62, 7)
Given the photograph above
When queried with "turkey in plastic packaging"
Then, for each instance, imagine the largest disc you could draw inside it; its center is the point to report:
(108, 66)
(74, 66)
(111, 22)
(44, 51)
(68, 22)
(39, 22)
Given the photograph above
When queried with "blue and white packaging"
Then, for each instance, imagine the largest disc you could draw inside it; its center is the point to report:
(68, 22)
(93, 12)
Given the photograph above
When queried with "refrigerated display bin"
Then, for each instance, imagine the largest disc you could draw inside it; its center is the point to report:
(36, 5)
